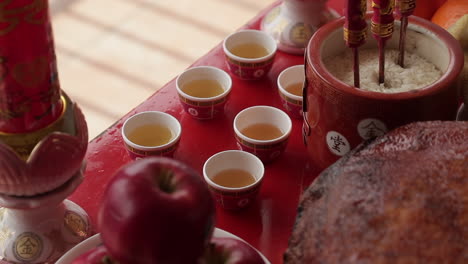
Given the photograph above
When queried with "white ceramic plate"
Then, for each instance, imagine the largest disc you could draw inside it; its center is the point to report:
(95, 240)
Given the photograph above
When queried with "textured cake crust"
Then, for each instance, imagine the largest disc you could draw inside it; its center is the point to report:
(402, 198)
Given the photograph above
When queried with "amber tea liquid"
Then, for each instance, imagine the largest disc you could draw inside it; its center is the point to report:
(262, 131)
(294, 88)
(203, 88)
(150, 135)
(233, 178)
(249, 50)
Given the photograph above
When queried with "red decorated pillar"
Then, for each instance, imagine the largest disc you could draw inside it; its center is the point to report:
(29, 87)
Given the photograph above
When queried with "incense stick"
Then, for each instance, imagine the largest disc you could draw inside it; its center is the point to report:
(355, 31)
(404, 8)
(382, 29)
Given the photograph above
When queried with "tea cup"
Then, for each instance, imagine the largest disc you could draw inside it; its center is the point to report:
(203, 91)
(290, 83)
(249, 53)
(263, 131)
(151, 133)
(234, 177)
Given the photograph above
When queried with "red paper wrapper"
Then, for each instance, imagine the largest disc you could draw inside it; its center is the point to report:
(29, 86)
(382, 20)
(355, 27)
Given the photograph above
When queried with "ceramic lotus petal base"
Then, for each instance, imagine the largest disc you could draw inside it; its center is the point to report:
(55, 156)
(40, 229)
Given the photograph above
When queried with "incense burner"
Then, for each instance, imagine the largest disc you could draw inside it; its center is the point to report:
(338, 116)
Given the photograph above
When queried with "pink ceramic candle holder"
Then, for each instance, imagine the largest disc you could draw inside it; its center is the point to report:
(339, 116)
(37, 223)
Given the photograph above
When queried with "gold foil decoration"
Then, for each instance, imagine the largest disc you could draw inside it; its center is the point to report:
(24, 143)
(27, 247)
(382, 30)
(354, 36)
(76, 224)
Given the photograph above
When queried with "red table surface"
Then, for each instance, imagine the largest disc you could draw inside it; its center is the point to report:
(267, 224)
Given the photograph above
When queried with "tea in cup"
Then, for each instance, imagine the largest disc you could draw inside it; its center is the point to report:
(234, 177)
(203, 91)
(151, 133)
(249, 53)
(290, 83)
(262, 130)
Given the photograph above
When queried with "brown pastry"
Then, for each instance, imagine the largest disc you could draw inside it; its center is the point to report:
(402, 198)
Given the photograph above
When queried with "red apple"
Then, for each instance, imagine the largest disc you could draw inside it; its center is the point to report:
(156, 210)
(97, 255)
(226, 250)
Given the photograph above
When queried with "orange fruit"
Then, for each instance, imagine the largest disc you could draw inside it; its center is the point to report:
(453, 16)
(426, 9)
(450, 12)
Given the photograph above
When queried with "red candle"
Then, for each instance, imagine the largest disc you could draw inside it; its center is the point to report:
(29, 86)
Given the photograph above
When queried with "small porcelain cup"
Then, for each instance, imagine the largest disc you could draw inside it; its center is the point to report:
(150, 118)
(201, 107)
(291, 76)
(266, 149)
(249, 67)
(234, 198)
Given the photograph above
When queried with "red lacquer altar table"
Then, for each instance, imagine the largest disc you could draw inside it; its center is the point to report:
(267, 224)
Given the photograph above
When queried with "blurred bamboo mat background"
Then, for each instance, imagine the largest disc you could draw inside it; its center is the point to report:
(113, 54)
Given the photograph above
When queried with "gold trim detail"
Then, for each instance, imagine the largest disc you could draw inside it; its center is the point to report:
(250, 64)
(382, 30)
(235, 194)
(151, 153)
(24, 143)
(300, 34)
(76, 224)
(198, 103)
(261, 147)
(354, 36)
(64, 104)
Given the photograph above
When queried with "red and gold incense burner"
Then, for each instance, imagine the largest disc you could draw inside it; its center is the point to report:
(43, 141)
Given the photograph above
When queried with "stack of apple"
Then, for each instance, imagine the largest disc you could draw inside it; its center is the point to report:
(158, 210)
